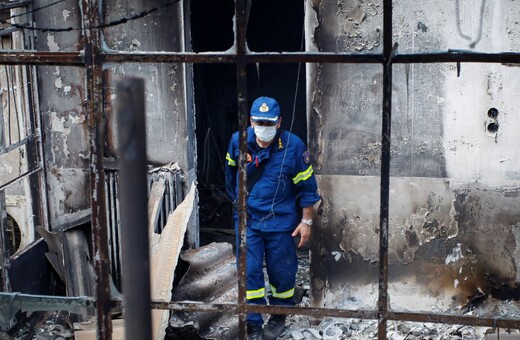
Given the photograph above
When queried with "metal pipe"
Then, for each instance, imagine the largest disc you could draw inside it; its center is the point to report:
(27, 173)
(26, 140)
(469, 320)
(78, 58)
(382, 303)
(134, 215)
(96, 124)
(41, 58)
(241, 13)
(312, 57)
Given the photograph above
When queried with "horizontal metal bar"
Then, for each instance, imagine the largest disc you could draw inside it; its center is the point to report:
(456, 319)
(306, 57)
(11, 303)
(286, 57)
(315, 57)
(189, 306)
(9, 30)
(12, 57)
(77, 59)
(22, 176)
(6, 149)
(14, 4)
(457, 56)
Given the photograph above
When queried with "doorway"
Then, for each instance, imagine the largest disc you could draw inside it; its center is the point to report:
(274, 26)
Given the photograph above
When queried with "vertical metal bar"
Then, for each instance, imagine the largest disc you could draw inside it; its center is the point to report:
(35, 183)
(241, 13)
(90, 20)
(36, 127)
(385, 170)
(117, 229)
(2, 121)
(109, 197)
(4, 245)
(134, 219)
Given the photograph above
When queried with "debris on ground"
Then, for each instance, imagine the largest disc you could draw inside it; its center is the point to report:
(57, 325)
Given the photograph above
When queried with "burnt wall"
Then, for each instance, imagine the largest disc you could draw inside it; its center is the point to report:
(454, 183)
(62, 95)
(166, 119)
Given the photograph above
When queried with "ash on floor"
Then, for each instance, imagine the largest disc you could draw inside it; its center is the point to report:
(300, 327)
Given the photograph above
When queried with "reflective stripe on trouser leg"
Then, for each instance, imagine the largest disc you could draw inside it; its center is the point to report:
(282, 264)
(255, 285)
(255, 294)
(282, 295)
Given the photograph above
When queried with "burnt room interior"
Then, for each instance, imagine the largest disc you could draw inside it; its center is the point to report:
(215, 90)
(408, 109)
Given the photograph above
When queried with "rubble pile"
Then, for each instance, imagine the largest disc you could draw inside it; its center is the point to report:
(306, 328)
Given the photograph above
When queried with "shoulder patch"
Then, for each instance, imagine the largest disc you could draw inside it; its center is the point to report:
(306, 157)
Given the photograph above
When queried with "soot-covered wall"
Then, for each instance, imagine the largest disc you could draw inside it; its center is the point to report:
(455, 184)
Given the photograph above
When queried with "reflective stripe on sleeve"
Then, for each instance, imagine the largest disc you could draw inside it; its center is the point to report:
(230, 160)
(283, 295)
(255, 294)
(304, 175)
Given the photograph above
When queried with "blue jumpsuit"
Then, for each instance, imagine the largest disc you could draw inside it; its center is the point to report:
(274, 204)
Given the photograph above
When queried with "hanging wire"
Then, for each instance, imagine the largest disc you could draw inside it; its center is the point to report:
(68, 29)
(473, 42)
(271, 212)
(206, 155)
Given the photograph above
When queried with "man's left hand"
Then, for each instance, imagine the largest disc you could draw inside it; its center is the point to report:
(304, 230)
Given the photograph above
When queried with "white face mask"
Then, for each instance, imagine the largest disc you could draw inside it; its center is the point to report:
(265, 133)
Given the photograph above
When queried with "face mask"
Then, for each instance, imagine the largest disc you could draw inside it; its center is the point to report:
(265, 133)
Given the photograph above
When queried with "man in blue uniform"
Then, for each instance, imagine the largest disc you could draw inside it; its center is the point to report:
(281, 193)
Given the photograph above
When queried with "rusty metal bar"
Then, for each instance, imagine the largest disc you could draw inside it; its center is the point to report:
(457, 56)
(382, 303)
(315, 57)
(78, 58)
(30, 138)
(343, 313)
(22, 176)
(96, 123)
(11, 303)
(41, 58)
(134, 215)
(249, 57)
(241, 13)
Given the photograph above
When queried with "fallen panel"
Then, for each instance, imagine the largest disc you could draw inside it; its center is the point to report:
(211, 277)
(165, 249)
(29, 271)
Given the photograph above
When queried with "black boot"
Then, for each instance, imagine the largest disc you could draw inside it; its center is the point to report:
(254, 332)
(274, 326)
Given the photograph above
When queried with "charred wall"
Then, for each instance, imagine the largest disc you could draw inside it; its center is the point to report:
(454, 183)
(62, 95)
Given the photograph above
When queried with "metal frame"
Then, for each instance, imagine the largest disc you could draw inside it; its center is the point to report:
(93, 58)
